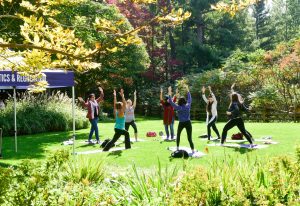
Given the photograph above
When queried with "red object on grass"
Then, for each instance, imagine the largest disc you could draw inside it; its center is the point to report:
(238, 136)
(151, 134)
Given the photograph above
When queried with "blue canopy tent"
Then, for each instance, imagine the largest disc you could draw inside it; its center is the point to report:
(55, 79)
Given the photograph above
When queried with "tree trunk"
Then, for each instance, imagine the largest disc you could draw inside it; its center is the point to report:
(172, 44)
(200, 28)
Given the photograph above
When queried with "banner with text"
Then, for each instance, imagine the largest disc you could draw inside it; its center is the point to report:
(55, 79)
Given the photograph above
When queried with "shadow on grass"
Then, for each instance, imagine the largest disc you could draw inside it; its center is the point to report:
(34, 146)
(116, 153)
(243, 150)
(88, 145)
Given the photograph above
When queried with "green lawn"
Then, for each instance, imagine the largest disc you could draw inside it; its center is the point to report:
(146, 154)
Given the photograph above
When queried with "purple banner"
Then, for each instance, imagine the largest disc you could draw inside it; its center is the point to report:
(55, 79)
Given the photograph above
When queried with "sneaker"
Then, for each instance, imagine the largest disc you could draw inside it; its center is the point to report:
(253, 145)
(90, 142)
(222, 144)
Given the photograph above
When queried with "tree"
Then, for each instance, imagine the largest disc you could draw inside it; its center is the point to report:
(263, 30)
(47, 43)
(285, 16)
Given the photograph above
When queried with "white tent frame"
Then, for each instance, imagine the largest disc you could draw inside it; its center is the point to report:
(15, 115)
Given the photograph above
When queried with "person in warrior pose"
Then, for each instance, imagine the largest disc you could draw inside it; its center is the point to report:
(119, 112)
(235, 119)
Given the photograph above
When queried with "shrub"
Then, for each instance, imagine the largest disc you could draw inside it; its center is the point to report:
(62, 180)
(41, 113)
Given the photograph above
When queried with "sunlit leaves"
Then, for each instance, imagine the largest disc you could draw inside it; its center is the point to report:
(113, 50)
(233, 6)
(175, 17)
(38, 87)
(47, 43)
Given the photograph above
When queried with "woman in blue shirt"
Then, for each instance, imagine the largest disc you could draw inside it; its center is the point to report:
(183, 110)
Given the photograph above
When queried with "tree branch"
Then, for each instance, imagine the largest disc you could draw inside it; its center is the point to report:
(10, 16)
(30, 46)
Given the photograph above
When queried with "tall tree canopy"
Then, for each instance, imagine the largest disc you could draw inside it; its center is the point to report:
(37, 31)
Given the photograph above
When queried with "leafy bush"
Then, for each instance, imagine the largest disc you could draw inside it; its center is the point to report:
(62, 180)
(246, 183)
(41, 113)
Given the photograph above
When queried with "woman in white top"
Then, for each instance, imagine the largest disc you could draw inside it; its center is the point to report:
(211, 112)
(129, 118)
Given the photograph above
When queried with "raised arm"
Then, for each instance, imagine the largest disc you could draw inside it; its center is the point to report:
(85, 104)
(212, 94)
(134, 101)
(171, 101)
(161, 94)
(115, 101)
(100, 99)
(203, 95)
(189, 99)
(176, 96)
(232, 87)
(123, 99)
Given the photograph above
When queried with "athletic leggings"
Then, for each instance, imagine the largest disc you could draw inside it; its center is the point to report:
(240, 124)
(118, 133)
(171, 128)
(213, 125)
(132, 123)
(188, 126)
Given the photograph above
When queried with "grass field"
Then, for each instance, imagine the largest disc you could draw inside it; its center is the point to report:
(146, 154)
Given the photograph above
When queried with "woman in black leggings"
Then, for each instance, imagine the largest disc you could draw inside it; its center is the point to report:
(235, 118)
(183, 110)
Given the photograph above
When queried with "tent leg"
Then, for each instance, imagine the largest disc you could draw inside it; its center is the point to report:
(15, 120)
(73, 116)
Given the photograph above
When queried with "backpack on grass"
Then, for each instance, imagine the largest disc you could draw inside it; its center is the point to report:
(180, 154)
(238, 136)
(104, 143)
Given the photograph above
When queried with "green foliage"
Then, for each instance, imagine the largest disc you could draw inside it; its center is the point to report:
(268, 79)
(231, 182)
(85, 171)
(41, 113)
(266, 97)
(152, 188)
(118, 69)
(247, 183)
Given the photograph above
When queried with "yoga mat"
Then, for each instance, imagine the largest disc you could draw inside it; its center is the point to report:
(87, 142)
(168, 140)
(247, 146)
(68, 142)
(212, 139)
(196, 154)
(266, 141)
